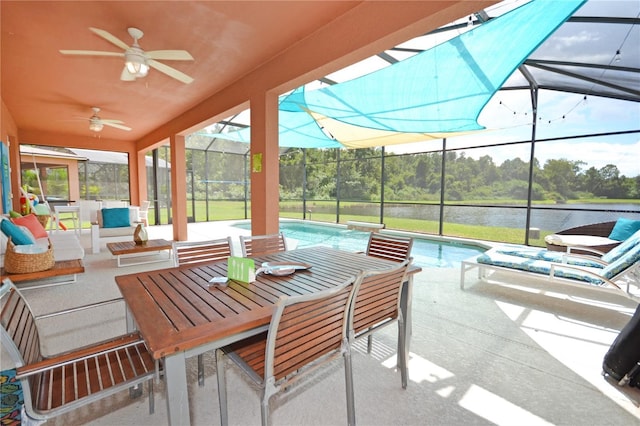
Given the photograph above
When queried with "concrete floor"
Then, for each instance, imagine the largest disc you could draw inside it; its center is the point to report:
(520, 354)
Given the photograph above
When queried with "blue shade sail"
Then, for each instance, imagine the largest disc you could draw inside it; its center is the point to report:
(437, 93)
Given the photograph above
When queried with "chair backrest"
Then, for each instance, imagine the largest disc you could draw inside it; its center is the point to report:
(19, 334)
(623, 263)
(620, 250)
(389, 247)
(191, 252)
(305, 328)
(376, 300)
(258, 245)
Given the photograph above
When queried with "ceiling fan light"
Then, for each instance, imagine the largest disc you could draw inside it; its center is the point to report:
(136, 63)
(96, 127)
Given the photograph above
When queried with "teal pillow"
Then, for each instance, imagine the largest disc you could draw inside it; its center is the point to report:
(117, 217)
(18, 236)
(624, 228)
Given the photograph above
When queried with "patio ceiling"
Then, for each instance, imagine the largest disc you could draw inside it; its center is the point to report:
(48, 94)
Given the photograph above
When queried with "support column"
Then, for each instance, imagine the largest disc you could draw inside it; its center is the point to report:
(137, 176)
(178, 187)
(74, 181)
(16, 179)
(265, 172)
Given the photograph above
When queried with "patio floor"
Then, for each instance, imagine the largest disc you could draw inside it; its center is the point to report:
(489, 354)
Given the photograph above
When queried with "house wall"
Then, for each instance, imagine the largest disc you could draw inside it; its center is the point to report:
(8, 134)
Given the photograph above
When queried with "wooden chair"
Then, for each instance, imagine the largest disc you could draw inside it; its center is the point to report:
(376, 304)
(61, 383)
(305, 331)
(389, 247)
(259, 245)
(195, 252)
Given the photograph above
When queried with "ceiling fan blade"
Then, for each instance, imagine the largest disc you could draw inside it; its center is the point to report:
(126, 75)
(106, 120)
(110, 38)
(110, 123)
(91, 53)
(171, 72)
(170, 55)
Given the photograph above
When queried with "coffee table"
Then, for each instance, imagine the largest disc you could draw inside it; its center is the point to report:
(129, 249)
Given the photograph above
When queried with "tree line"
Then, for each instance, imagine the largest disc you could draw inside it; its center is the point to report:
(357, 175)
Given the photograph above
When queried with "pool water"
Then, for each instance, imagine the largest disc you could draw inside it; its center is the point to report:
(425, 252)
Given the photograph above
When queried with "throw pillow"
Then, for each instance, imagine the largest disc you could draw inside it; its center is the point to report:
(14, 213)
(33, 225)
(117, 217)
(18, 236)
(624, 228)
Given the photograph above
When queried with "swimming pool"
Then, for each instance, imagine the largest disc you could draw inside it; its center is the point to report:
(425, 252)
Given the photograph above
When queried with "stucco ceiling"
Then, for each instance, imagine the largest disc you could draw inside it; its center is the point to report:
(46, 92)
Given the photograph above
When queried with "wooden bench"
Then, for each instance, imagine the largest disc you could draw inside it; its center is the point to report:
(60, 268)
(364, 226)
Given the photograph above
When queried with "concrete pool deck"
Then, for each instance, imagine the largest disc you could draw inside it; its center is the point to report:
(489, 354)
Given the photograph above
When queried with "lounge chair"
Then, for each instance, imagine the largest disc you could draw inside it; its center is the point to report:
(621, 270)
(594, 260)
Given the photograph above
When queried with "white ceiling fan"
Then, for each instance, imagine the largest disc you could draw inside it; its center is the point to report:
(137, 61)
(96, 124)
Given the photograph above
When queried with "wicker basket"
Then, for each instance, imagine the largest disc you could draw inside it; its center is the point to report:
(23, 263)
(43, 219)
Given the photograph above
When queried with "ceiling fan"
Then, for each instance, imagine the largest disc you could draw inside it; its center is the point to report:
(96, 124)
(136, 60)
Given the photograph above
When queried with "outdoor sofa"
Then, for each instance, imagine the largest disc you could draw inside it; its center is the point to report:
(114, 222)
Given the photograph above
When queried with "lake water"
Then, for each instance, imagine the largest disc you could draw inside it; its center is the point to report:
(552, 217)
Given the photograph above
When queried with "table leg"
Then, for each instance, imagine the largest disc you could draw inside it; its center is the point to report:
(175, 371)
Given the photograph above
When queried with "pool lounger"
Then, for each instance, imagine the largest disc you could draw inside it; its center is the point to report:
(600, 278)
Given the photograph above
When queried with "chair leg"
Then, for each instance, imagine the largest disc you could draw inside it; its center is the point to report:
(402, 352)
(200, 370)
(348, 376)
(152, 402)
(222, 388)
(369, 343)
(264, 408)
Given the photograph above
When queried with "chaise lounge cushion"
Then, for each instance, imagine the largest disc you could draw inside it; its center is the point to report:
(549, 256)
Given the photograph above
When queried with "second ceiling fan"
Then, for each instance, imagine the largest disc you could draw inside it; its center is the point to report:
(137, 61)
(96, 124)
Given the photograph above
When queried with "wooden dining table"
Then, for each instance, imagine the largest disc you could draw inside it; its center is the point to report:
(180, 314)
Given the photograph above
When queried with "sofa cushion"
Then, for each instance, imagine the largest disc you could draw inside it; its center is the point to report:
(624, 228)
(32, 223)
(18, 236)
(116, 232)
(66, 246)
(116, 217)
